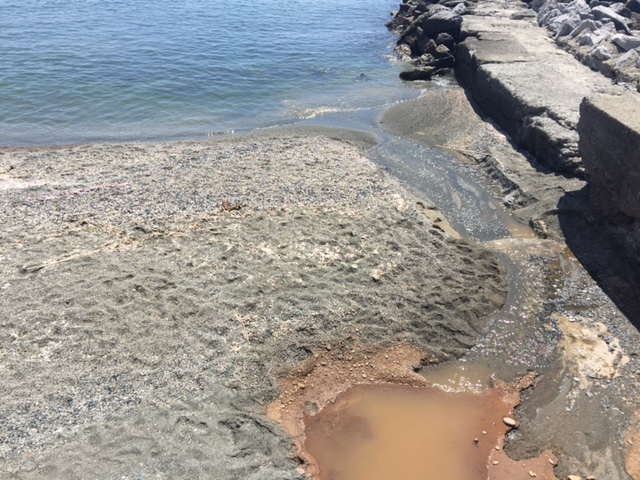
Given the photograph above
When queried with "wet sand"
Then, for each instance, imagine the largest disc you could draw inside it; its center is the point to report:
(154, 294)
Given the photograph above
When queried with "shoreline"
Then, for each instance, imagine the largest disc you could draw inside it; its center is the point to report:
(145, 335)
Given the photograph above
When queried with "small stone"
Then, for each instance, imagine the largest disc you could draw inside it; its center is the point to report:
(591, 477)
(496, 462)
(574, 477)
(532, 474)
(364, 375)
(497, 447)
(510, 422)
(484, 432)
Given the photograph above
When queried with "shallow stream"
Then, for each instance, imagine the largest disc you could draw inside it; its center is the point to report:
(521, 337)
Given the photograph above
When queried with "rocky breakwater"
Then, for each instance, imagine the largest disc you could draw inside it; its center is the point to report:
(428, 33)
(503, 58)
(604, 35)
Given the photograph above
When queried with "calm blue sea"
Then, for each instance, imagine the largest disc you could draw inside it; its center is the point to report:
(113, 70)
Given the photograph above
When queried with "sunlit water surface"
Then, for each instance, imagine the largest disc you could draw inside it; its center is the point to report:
(89, 70)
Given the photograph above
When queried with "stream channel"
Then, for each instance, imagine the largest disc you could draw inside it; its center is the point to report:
(544, 282)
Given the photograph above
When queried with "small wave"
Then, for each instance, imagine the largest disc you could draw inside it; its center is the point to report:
(306, 112)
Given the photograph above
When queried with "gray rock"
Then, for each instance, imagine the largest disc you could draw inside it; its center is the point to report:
(546, 15)
(423, 73)
(403, 51)
(590, 39)
(446, 40)
(423, 60)
(617, 7)
(626, 42)
(627, 60)
(607, 28)
(426, 45)
(443, 21)
(581, 6)
(601, 53)
(568, 26)
(605, 13)
(459, 9)
(573, 18)
(585, 25)
(444, 57)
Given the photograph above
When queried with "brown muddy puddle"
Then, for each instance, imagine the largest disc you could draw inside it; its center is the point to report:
(382, 432)
(414, 433)
(369, 414)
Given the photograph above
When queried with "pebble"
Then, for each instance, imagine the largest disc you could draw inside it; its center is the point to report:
(532, 474)
(574, 477)
(510, 422)
(496, 462)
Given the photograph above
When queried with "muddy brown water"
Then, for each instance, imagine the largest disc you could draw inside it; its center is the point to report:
(382, 432)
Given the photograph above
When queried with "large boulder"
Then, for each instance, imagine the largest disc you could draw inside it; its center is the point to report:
(585, 26)
(422, 73)
(605, 13)
(443, 21)
(626, 42)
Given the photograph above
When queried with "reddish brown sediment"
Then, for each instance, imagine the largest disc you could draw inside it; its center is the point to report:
(632, 447)
(369, 415)
(315, 384)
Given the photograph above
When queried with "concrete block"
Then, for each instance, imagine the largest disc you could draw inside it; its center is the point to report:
(609, 130)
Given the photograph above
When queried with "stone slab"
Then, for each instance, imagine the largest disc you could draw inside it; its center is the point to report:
(609, 131)
(528, 86)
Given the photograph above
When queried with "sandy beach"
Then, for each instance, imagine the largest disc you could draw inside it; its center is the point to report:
(153, 295)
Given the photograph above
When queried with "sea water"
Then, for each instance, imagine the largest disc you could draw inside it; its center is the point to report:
(94, 70)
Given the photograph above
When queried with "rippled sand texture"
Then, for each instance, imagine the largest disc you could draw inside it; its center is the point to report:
(151, 295)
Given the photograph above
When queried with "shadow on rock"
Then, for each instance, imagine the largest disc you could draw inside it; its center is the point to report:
(588, 237)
